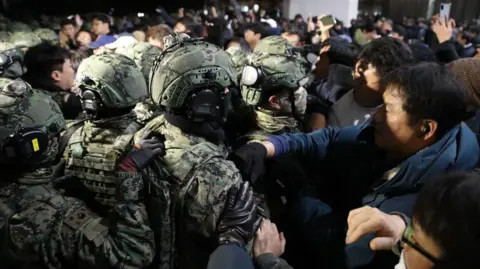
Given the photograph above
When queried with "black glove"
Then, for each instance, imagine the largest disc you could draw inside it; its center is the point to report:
(250, 161)
(145, 151)
(240, 219)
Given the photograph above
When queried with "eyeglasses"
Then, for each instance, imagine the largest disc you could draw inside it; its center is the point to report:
(407, 238)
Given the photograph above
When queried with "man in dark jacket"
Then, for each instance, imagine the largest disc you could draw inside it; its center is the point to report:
(417, 134)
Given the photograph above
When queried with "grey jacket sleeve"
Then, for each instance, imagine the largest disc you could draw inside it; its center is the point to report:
(270, 261)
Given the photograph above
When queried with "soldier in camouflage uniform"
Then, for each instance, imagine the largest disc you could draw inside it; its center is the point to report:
(40, 227)
(47, 35)
(190, 82)
(24, 40)
(111, 86)
(272, 81)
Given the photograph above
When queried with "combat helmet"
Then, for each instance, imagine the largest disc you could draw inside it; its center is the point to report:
(31, 119)
(24, 40)
(190, 69)
(47, 35)
(109, 81)
(274, 65)
(239, 57)
(143, 54)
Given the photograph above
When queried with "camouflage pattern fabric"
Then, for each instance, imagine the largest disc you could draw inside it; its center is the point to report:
(41, 227)
(239, 57)
(54, 231)
(47, 35)
(186, 65)
(143, 54)
(203, 177)
(283, 68)
(57, 96)
(93, 152)
(24, 40)
(19, 27)
(114, 77)
(4, 36)
(6, 46)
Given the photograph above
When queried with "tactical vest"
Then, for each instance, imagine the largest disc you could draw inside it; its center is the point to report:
(13, 205)
(93, 154)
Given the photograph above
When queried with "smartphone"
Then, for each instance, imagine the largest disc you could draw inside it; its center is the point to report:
(328, 20)
(445, 10)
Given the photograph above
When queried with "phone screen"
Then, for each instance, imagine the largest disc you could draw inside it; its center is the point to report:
(328, 20)
(445, 10)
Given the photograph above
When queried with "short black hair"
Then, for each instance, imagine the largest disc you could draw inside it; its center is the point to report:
(448, 211)
(294, 29)
(399, 30)
(68, 22)
(429, 91)
(258, 28)
(43, 59)
(101, 17)
(386, 54)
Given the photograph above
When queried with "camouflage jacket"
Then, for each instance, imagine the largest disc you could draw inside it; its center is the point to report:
(41, 227)
(204, 177)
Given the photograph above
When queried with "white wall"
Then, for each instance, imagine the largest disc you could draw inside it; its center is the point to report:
(345, 10)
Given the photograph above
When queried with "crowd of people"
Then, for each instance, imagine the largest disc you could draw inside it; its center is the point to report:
(239, 139)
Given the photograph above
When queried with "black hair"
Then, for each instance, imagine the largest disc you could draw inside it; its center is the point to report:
(68, 22)
(386, 54)
(475, 30)
(43, 59)
(466, 37)
(368, 27)
(188, 21)
(399, 30)
(429, 91)
(448, 211)
(258, 28)
(294, 29)
(101, 17)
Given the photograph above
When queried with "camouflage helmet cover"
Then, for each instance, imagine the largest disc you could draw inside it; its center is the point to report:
(21, 106)
(46, 34)
(187, 65)
(24, 39)
(114, 77)
(143, 54)
(239, 57)
(281, 65)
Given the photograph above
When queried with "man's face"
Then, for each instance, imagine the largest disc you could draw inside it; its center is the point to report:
(393, 129)
(64, 78)
(366, 75)
(84, 38)
(69, 30)
(250, 36)
(413, 258)
(293, 39)
(180, 28)
(99, 27)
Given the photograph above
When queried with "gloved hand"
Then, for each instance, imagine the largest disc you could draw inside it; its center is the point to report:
(144, 152)
(240, 219)
(250, 161)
